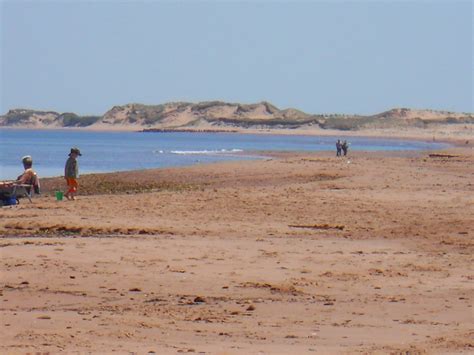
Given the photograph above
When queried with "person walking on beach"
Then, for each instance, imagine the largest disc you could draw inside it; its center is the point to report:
(338, 148)
(345, 147)
(71, 173)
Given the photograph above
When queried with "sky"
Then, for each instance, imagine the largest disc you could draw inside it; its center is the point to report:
(359, 57)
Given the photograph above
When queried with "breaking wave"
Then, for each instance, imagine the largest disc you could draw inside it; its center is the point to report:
(201, 152)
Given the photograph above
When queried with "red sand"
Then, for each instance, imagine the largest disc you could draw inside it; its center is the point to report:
(297, 254)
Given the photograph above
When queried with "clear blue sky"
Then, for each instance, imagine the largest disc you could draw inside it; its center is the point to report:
(335, 56)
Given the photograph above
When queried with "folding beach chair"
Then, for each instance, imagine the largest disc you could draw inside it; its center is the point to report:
(23, 190)
(11, 194)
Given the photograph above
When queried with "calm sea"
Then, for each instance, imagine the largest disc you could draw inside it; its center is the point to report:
(118, 151)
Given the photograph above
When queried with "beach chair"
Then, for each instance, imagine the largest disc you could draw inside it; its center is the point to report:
(26, 189)
(23, 190)
(11, 194)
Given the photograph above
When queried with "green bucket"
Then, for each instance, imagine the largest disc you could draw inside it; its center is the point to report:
(59, 195)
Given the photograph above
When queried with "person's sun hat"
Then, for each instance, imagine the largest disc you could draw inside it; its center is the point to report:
(75, 150)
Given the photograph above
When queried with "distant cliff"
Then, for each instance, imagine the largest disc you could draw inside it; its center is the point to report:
(217, 115)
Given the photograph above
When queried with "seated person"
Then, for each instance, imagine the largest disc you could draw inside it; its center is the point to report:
(29, 176)
(8, 191)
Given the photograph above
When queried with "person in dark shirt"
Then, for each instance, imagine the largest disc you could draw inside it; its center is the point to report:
(338, 148)
(345, 147)
(71, 173)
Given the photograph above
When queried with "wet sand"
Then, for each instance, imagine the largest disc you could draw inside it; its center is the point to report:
(299, 253)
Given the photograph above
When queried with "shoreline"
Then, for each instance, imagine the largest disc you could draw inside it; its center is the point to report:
(125, 181)
(272, 154)
(452, 143)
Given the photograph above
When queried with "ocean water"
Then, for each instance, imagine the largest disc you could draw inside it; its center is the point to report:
(118, 151)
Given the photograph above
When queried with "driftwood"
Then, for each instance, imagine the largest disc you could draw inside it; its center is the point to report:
(317, 226)
(436, 155)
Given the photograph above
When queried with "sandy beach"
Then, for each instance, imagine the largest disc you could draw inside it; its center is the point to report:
(298, 253)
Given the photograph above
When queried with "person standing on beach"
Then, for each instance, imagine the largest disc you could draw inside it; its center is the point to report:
(345, 147)
(71, 173)
(338, 148)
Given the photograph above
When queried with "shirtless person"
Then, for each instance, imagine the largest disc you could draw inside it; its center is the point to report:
(29, 176)
(29, 179)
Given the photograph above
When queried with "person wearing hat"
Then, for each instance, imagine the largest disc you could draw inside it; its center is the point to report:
(71, 173)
